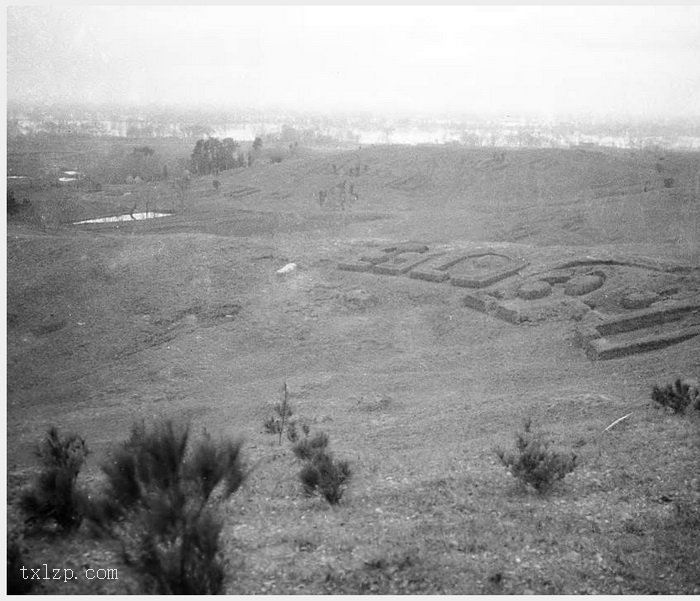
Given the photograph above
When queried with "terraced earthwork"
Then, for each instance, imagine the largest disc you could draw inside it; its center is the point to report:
(243, 191)
(471, 270)
(623, 306)
(640, 331)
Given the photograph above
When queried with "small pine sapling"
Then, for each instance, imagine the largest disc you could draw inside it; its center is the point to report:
(55, 497)
(677, 396)
(321, 473)
(160, 500)
(275, 424)
(283, 411)
(534, 463)
(327, 476)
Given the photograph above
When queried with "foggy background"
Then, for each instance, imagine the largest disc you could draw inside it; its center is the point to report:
(551, 61)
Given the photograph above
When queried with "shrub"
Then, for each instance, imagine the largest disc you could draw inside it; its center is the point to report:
(677, 396)
(293, 433)
(54, 497)
(321, 473)
(160, 501)
(327, 476)
(534, 463)
(275, 424)
(306, 448)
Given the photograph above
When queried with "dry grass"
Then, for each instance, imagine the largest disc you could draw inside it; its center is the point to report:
(111, 325)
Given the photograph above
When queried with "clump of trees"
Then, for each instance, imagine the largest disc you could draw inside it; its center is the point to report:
(213, 155)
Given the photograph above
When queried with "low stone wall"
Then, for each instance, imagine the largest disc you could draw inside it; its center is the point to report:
(512, 290)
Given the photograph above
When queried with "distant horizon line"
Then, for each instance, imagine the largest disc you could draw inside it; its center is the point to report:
(14, 104)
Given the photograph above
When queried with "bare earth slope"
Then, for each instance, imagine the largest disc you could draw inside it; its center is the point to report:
(185, 317)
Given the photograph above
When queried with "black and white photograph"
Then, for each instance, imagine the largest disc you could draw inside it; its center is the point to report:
(352, 299)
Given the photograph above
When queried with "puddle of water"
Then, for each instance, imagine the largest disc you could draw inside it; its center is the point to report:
(67, 179)
(118, 218)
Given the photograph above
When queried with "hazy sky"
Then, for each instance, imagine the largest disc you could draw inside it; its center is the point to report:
(551, 60)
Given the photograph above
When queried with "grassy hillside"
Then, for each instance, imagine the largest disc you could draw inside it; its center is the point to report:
(540, 197)
(185, 317)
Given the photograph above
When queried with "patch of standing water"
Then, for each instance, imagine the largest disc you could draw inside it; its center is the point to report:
(118, 218)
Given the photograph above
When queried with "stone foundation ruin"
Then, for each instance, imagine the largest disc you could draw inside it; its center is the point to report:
(621, 307)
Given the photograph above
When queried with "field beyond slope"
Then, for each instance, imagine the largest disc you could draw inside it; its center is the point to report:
(185, 317)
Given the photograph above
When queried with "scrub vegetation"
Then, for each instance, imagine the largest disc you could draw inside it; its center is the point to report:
(379, 475)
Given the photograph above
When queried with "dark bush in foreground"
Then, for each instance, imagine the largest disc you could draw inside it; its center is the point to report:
(534, 463)
(677, 396)
(160, 500)
(321, 473)
(55, 497)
